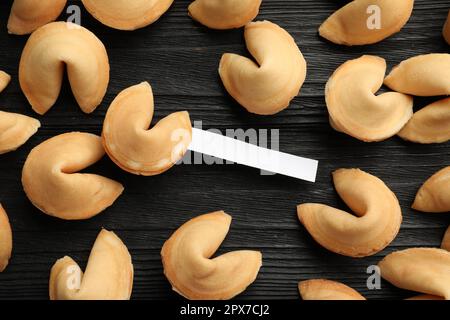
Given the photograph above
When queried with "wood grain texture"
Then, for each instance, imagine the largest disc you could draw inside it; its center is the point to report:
(180, 59)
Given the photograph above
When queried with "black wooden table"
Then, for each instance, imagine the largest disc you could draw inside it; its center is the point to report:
(180, 59)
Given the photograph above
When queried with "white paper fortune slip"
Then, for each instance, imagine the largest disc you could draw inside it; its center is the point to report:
(240, 152)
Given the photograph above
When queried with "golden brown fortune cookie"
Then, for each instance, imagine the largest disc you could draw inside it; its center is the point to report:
(126, 14)
(267, 84)
(434, 195)
(374, 224)
(446, 30)
(431, 124)
(356, 23)
(4, 80)
(354, 107)
(58, 46)
(5, 239)
(51, 180)
(28, 15)
(188, 265)
(446, 246)
(425, 75)
(132, 145)
(15, 130)
(322, 289)
(224, 14)
(424, 270)
(108, 275)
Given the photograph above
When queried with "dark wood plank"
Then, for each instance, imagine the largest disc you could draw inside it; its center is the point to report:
(180, 59)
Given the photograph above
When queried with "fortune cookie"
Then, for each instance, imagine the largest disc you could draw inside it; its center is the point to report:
(363, 22)
(446, 246)
(4, 80)
(51, 180)
(51, 49)
(424, 270)
(224, 14)
(15, 130)
(434, 195)
(28, 15)
(5, 239)
(188, 265)
(126, 14)
(108, 276)
(446, 240)
(375, 223)
(132, 145)
(355, 109)
(446, 31)
(430, 124)
(322, 289)
(425, 75)
(267, 84)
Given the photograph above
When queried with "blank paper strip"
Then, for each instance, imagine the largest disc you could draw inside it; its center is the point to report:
(237, 151)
